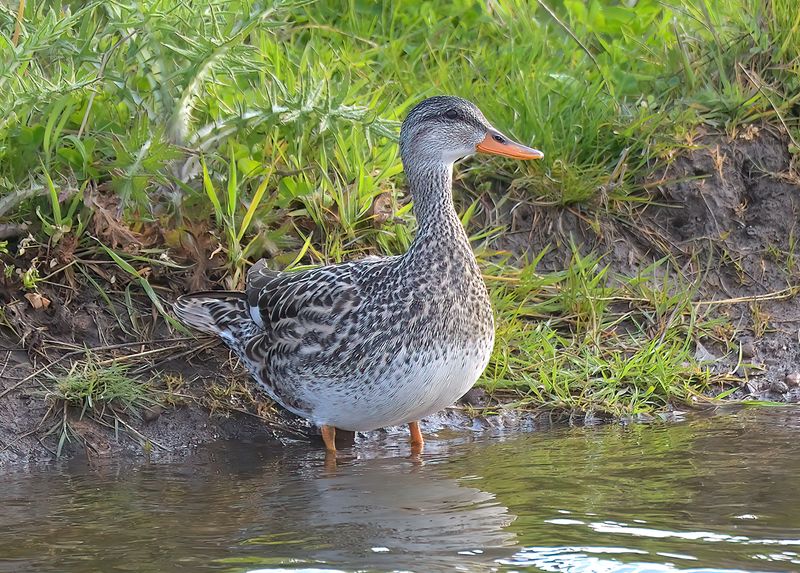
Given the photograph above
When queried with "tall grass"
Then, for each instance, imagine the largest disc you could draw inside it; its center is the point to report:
(109, 91)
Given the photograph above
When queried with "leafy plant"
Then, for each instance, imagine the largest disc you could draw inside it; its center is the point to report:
(61, 223)
(226, 210)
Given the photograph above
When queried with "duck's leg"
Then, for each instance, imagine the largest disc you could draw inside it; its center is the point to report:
(417, 443)
(329, 437)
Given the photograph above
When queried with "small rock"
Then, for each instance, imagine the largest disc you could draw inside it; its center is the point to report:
(751, 388)
(476, 397)
(152, 413)
(702, 354)
(792, 380)
(748, 349)
(779, 387)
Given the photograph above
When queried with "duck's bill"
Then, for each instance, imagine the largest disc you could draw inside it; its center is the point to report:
(496, 143)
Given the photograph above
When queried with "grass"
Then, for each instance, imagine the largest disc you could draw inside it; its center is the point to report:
(106, 393)
(575, 343)
(140, 138)
(90, 386)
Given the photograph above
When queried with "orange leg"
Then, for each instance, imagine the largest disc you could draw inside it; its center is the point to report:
(329, 437)
(417, 443)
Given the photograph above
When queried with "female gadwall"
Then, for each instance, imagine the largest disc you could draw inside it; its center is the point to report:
(384, 340)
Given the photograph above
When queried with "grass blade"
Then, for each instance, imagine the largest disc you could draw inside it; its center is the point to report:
(254, 204)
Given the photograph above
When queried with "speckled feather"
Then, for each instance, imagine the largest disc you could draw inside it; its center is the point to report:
(380, 341)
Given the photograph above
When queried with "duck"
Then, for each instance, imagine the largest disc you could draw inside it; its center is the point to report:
(381, 341)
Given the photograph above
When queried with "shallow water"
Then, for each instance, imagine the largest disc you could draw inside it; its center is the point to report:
(711, 494)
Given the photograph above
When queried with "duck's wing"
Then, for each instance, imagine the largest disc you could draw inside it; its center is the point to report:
(258, 277)
(305, 297)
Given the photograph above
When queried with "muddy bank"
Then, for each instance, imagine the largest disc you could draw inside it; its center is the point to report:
(35, 425)
(725, 213)
(32, 421)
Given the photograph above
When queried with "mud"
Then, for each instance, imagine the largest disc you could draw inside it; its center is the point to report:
(31, 422)
(726, 214)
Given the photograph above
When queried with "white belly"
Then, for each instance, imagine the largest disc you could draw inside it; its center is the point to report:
(410, 390)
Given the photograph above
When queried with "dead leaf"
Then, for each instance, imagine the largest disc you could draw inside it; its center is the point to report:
(65, 252)
(194, 244)
(382, 209)
(106, 224)
(37, 301)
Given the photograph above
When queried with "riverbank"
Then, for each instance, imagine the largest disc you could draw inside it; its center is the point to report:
(75, 381)
(647, 263)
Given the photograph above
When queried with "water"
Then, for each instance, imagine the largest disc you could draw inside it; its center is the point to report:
(713, 494)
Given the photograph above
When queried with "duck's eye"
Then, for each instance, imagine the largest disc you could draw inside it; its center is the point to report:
(498, 138)
(451, 114)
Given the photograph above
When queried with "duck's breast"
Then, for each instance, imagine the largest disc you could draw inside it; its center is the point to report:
(411, 387)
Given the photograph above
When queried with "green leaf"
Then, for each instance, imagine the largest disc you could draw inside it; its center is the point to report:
(59, 114)
(232, 187)
(208, 185)
(54, 204)
(254, 204)
(147, 287)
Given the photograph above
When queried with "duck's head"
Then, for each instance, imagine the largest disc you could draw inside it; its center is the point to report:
(443, 129)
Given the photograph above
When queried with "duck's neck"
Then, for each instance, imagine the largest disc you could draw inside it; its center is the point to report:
(438, 225)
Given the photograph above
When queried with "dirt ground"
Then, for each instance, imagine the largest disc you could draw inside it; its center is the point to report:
(726, 212)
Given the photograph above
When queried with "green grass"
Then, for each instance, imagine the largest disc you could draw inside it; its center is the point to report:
(582, 341)
(91, 386)
(104, 392)
(152, 134)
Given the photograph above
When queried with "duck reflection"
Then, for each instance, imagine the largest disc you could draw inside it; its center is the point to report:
(239, 507)
(383, 513)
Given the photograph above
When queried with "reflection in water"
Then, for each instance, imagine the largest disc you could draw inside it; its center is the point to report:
(252, 509)
(717, 494)
(378, 512)
(595, 560)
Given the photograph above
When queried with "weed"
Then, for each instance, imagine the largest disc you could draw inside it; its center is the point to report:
(92, 386)
(99, 391)
(761, 320)
(61, 223)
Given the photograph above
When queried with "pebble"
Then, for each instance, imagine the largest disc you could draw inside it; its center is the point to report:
(779, 387)
(748, 349)
(476, 397)
(792, 380)
(152, 413)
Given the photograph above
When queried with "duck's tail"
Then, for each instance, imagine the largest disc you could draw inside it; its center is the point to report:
(224, 313)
